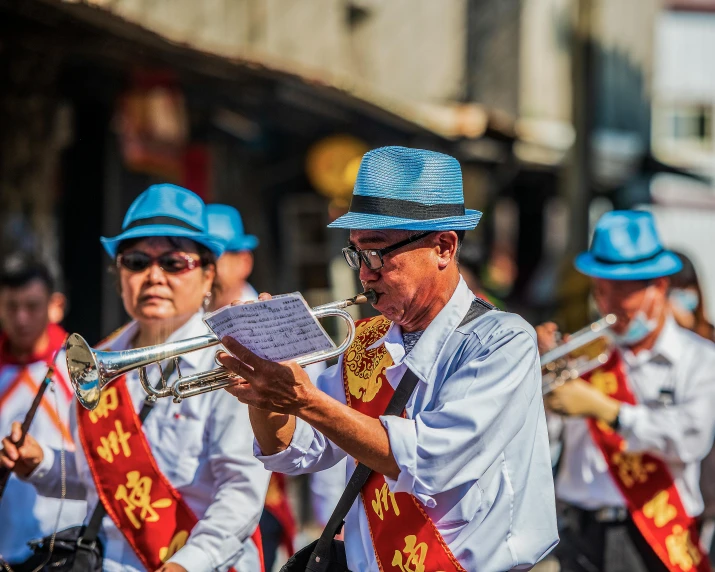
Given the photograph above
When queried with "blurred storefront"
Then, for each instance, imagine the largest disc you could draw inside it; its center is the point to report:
(94, 108)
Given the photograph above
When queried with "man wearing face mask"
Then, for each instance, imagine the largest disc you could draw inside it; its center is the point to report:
(636, 429)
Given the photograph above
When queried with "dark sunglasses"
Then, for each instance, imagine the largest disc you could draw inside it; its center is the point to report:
(373, 257)
(169, 262)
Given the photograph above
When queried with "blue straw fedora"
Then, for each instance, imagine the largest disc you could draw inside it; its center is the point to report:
(226, 225)
(166, 210)
(626, 246)
(410, 189)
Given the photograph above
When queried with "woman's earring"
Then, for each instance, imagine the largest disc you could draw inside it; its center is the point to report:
(207, 300)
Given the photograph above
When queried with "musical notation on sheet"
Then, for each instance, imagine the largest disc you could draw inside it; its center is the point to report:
(278, 330)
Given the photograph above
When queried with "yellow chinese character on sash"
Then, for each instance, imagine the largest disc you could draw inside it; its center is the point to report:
(175, 545)
(681, 550)
(416, 555)
(605, 381)
(112, 443)
(632, 469)
(381, 496)
(659, 510)
(137, 495)
(108, 401)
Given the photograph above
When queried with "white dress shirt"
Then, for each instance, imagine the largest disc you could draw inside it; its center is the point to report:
(681, 364)
(203, 445)
(473, 448)
(25, 515)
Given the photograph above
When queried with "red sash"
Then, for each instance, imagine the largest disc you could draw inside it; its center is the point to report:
(403, 535)
(140, 500)
(646, 483)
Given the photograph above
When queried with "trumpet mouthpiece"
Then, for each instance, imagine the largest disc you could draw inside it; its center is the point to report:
(369, 296)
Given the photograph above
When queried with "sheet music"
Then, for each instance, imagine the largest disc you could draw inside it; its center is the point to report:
(278, 330)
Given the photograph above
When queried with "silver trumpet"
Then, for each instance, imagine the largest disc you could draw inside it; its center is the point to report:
(585, 350)
(91, 370)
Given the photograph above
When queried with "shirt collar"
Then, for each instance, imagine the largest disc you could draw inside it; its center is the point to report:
(121, 340)
(56, 338)
(668, 343)
(423, 358)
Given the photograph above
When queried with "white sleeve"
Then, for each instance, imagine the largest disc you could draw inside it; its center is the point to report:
(47, 476)
(309, 450)
(682, 432)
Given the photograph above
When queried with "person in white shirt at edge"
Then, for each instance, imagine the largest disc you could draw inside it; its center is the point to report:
(165, 261)
(634, 437)
(28, 345)
(472, 449)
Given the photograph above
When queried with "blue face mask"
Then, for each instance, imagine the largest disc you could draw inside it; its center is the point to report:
(638, 328)
(685, 299)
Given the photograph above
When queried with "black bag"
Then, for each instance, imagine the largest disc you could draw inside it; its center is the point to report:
(71, 552)
(327, 554)
(337, 561)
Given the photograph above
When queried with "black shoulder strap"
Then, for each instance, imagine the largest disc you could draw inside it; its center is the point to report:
(478, 308)
(320, 557)
(89, 536)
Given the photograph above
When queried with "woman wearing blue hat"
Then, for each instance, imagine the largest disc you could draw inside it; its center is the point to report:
(438, 399)
(180, 490)
(636, 429)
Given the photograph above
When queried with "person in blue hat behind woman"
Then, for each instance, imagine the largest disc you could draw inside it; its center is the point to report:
(235, 265)
(182, 490)
(463, 480)
(233, 268)
(636, 430)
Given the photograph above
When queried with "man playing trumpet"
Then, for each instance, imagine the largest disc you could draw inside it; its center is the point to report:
(635, 429)
(462, 481)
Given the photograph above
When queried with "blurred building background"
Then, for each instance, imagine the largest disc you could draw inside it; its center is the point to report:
(557, 109)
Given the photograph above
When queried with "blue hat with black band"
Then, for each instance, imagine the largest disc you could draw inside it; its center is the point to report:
(225, 223)
(408, 189)
(166, 210)
(626, 246)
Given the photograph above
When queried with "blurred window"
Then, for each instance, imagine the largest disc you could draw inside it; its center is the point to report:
(685, 124)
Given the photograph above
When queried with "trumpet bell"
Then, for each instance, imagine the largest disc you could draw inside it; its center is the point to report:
(84, 371)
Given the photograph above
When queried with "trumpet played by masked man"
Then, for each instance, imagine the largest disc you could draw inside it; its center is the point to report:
(635, 429)
(461, 481)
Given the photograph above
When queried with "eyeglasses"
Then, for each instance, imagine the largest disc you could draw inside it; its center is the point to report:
(373, 257)
(169, 262)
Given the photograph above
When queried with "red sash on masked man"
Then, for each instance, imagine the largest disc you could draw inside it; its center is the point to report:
(646, 483)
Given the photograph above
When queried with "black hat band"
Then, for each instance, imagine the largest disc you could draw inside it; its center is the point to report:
(167, 220)
(403, 209)
(633, 261)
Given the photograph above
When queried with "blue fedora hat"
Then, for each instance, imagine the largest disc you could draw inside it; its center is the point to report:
(225, 224)
(626, 246)
(410, 189)
(166, 210)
